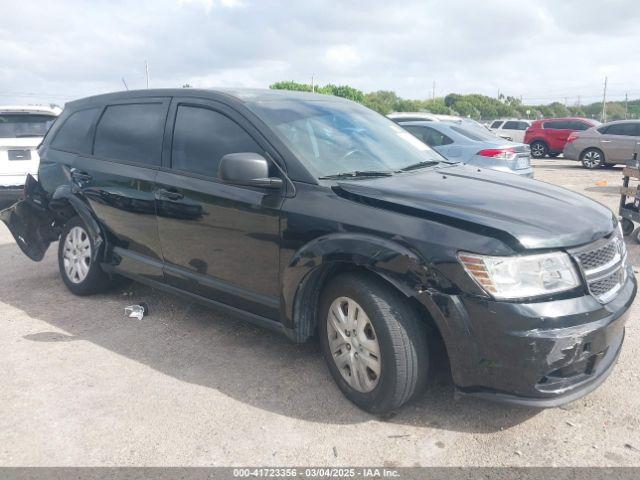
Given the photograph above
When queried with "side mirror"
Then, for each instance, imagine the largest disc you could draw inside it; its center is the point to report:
(249, 169)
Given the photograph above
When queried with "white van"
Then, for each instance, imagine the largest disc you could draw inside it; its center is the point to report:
(21, 131)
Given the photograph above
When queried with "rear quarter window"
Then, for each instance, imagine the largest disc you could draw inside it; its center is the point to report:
(75, 133)
(131, 133)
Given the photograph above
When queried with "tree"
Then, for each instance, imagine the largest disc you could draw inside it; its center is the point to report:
(474, 105)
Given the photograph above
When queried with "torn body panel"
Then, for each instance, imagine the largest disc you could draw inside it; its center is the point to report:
(30, 221)
(35, 220)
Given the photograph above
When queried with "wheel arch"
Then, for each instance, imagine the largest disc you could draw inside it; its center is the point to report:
(65, 201)
(584, 150)
(540, 140)
(322, 259)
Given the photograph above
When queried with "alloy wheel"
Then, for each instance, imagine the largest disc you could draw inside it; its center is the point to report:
(354, 344)
(77, 255)
(537, 150)
(592, 159)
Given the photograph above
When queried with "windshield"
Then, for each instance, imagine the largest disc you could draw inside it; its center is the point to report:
(16, 125)
(335, 137)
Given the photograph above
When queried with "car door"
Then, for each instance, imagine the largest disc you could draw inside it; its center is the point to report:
(619, 141)
(118, 180)
(556, 133)
(219, 241)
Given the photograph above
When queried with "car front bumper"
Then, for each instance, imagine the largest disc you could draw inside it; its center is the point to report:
(541, 354)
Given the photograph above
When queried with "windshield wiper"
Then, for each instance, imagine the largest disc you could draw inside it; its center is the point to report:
(415, 166)
(24, 135)
(358, 174)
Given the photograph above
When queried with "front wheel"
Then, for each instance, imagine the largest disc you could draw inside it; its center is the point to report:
(374, 344)
(592, 158)
(538, 149)
(76, 260)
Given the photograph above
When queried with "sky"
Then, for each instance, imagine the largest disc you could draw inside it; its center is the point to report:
(542, 50)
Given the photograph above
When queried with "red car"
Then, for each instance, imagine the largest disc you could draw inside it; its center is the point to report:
(548, 136)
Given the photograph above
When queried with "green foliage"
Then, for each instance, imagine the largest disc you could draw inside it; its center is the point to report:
(479, 107)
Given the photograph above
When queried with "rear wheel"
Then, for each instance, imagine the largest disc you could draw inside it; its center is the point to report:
(538, 149)
(592, 158)
(374, 344)
(76, 260)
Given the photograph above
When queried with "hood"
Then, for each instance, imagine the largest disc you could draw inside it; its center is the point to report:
(524, 213)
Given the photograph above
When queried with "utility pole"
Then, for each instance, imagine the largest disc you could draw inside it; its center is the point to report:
(146, 72)
(604, 102)
(313, 86)
(433, 91)
(626, 107)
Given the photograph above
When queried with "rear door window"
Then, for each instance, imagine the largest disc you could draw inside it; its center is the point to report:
(557, 125)
(131, 133)
(626, 129)
(428, 135)
(579, 126)
(511, 125)
(201, 137)
(75, 134)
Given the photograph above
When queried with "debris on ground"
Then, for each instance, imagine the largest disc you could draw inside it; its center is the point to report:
(137, 311)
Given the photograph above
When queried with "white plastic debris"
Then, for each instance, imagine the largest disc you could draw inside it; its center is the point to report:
(137, 311)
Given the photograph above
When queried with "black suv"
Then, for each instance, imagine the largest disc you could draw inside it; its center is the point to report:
(313, 215)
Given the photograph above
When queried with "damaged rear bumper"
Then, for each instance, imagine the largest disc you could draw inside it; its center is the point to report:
(538, 354)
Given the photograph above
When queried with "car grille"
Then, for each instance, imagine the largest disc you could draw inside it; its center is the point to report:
(603, 265)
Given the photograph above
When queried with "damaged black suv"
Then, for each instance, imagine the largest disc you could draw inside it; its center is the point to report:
(313, 215)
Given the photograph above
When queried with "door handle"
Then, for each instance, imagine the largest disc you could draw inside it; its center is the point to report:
(169, 194)
(81, 177)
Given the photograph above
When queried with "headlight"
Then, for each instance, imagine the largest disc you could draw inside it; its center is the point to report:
(521, 276)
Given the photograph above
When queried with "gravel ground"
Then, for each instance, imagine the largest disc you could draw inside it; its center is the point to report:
(80, 385)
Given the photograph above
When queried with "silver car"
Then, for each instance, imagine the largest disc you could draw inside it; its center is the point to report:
(470, 145)
(605, 145)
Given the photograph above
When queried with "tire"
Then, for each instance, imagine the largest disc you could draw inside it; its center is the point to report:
(79, 272)
(539, 149)
(592, 158)
(389, 321)
(627, 226)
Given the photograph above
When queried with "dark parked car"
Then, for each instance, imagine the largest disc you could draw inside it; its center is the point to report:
(313, 215)
(548, 136)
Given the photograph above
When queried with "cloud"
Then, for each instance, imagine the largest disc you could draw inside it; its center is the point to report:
(543, 50)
